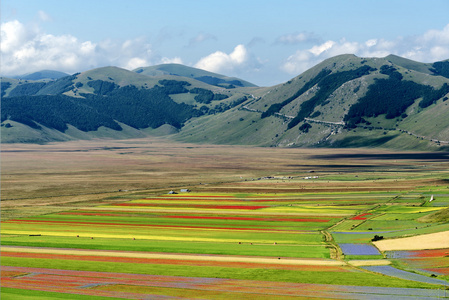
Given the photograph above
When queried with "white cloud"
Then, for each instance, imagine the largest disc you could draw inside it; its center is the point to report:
(43, 16)
(220, 61)
(28, 49)
(297, 38)
(431, 46)
(135, 63)
(320, 49)
(174, 60)
(200, 38)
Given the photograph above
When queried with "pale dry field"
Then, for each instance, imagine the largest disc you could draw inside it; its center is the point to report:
(439, 240)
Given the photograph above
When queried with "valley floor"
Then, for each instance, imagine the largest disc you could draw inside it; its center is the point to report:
(95, 219)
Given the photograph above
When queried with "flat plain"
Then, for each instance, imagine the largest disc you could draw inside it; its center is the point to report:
(94, 219)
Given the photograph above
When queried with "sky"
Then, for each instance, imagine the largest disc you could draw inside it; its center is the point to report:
(264, 42)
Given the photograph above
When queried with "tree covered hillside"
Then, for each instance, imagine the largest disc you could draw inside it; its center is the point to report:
(128, 105)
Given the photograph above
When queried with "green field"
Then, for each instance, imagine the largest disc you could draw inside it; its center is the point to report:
(252, 236)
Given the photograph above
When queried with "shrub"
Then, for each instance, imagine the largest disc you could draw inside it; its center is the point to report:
(377, 238)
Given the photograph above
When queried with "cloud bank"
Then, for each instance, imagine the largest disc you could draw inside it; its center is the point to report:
(26, 49)
(297, 38)
(221, 62)
(432, 46)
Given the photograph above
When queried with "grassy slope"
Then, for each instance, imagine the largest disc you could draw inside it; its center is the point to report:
(13, 82)
(185, 71)
(44, 74)
(124, 77)
(20, 133)
(431, 123)
(438, 216)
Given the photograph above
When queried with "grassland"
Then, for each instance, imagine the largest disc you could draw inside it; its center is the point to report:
(94, 219)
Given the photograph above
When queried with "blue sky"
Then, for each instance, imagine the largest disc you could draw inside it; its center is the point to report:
(265, 42)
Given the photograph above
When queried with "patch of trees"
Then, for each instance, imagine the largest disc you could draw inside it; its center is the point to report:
(223, 106)
(129, 105)
(441, 68)
(27, 89)
(315, 114)
(227, 106)
(392, 97)
(305, 127)
(206, 96)
(56, 87)
(391, 72)
(54, 111)
(59, 86)
(327, 85)
(142, 108)
(218, 81)
(433, 95)
(174, 86)
(4, 86)
(102, 87)
(377, 238)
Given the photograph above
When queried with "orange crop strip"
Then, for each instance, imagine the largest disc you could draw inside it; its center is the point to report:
(442, 271)
(430, 253)
(361, 217)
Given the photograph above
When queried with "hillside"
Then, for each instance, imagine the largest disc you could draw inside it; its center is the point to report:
(345, 101)
(198, 74)
(42, 75)
(109, 98)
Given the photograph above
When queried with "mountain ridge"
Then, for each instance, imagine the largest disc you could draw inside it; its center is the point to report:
(42, 75)
(191, 72)
(344, 101)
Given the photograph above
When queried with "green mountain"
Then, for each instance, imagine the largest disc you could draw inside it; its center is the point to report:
(111, 99)
(42, 75)
(198, 74)
(345, 101)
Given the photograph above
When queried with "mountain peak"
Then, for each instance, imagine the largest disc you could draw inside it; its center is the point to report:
(194, 73)
(42, 75)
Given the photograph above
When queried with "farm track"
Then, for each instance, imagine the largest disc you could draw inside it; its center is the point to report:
(335, 252)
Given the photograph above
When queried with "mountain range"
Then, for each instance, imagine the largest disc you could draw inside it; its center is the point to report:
(345, 101)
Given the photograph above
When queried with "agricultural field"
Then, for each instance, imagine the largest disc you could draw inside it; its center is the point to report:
(90, 221)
